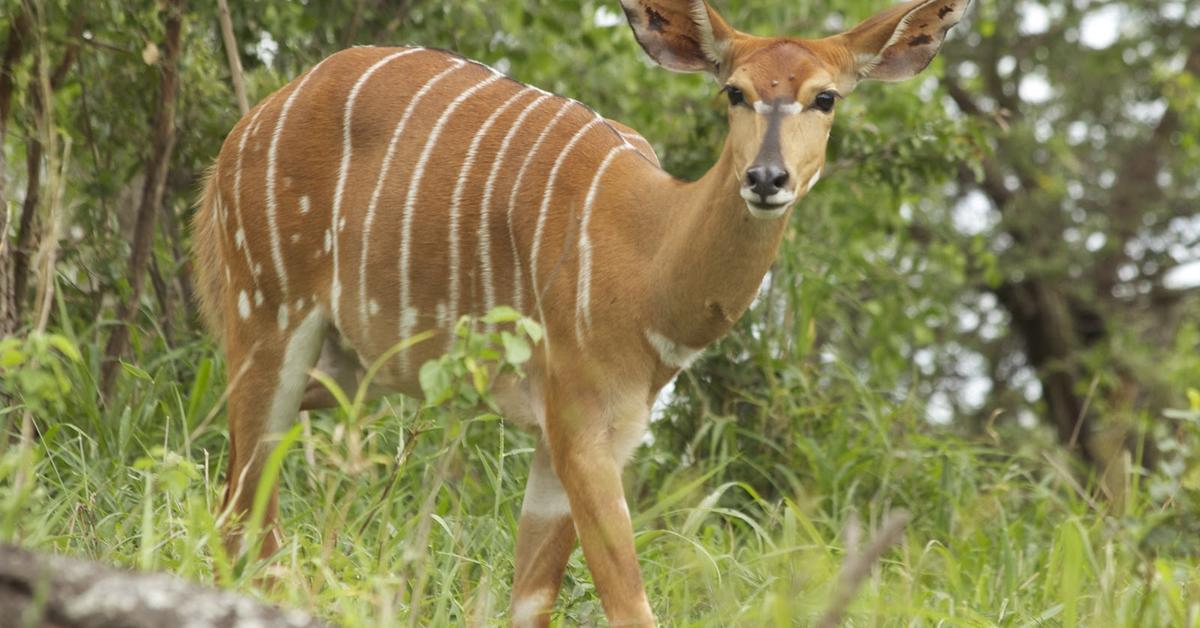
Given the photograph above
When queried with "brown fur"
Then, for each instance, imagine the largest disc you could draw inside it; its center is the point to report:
(206, 250)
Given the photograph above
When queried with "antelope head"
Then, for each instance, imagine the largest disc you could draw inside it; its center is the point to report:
(783, 91)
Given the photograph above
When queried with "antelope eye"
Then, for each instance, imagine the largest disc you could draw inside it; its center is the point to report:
(825, 101)
(736, 97)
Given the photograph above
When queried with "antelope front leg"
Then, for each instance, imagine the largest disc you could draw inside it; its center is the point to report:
(582, 451)
(545, 538)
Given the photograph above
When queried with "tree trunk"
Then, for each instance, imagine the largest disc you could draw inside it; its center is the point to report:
(14, 49)
(58, 592)
(152, 193)
(1053, 342)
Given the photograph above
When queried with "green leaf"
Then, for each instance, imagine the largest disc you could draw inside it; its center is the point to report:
(531, 329)
(435, 382)
(516, 349)
(65, 347)
(502, 314)
(136, 371)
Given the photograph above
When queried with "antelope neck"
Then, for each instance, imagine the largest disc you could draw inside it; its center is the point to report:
(712, 259)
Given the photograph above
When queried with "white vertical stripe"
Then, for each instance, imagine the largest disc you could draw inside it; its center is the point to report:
(456, 205)
(272, 202)
(583, 291)
(637, 138)
(240, 235)
(485, 256)
(343, 173)
(512, 202)
(410, 204)
(384, 167)
(451, 309)
(547, 194)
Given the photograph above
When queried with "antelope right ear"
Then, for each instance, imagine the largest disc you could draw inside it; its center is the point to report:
(681, 35)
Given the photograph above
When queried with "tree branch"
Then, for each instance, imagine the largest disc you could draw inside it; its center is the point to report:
(157, 166)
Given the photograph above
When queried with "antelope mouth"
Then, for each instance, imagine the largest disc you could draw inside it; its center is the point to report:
(772, 206)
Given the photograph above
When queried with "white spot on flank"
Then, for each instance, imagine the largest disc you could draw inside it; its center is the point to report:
(240, 239)
(408, 319)
(305, 205)
(527, 609)
(258, 269)
(272, 167)
(456, 206)
(228, 275)
(518, 298)
(258, 298)
(384, 167)
(328, 240)
(414, 189)
(295, 238)
(243, 305)
(282, 317)
(583, 289)
(489, 286)
(373, 306)
(299, 305)
(442, 315)
(670, 352)
(547, 194)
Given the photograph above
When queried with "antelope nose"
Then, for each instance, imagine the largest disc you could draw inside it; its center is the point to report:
(766, 180)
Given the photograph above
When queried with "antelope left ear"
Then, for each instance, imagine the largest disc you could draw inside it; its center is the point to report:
(898, 43)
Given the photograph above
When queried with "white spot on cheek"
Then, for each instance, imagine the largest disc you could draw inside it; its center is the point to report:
(812, 183)
(305, 205)
(243, 305)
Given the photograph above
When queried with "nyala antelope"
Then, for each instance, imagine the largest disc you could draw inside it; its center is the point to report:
(389, 191)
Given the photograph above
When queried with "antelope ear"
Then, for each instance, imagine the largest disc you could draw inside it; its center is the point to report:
(899, 42)
(681, 35)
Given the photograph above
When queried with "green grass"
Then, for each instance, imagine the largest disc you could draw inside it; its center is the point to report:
(407, 515)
